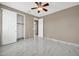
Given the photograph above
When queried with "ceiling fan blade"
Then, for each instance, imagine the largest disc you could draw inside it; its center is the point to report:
(45, 9)
(40, 3)
(37, 3)
(34, 8)
(38, 11)
(47, 4)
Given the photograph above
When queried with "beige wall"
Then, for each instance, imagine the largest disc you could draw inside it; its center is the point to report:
(63, 25)
(28, 21)
(29, 26)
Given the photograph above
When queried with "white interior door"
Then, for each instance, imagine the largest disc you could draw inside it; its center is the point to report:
(9, 24)
(40, 27)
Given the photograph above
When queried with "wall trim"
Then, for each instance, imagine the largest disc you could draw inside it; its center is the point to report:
(61, 41)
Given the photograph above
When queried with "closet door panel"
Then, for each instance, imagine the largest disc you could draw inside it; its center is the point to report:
(9, 24)
(20, 26)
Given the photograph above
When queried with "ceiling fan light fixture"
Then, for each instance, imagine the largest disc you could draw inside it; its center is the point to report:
(40, 8)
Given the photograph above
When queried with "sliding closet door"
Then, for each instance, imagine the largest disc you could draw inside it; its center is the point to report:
(20, 26)
(9, 24)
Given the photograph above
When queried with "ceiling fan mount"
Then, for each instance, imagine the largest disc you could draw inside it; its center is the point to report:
(40, 6)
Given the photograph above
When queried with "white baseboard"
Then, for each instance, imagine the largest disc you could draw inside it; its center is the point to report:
(65, 42)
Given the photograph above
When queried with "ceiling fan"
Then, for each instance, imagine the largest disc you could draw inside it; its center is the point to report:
(40, 6)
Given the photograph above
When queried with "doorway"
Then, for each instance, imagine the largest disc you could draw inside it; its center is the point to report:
(20, 27)
(35, 28)
(38, 27)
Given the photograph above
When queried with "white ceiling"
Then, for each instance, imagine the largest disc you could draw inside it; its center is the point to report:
(53, 7)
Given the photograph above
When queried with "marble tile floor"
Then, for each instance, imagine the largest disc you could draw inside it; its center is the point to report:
(39, 47)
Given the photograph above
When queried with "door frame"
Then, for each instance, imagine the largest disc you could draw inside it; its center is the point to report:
(24, 22)
(34, 26)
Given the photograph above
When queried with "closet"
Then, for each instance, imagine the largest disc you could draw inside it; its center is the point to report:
(20, 26)
(12, 26)
(9, 27)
